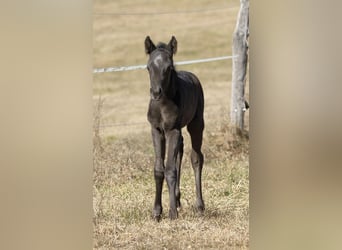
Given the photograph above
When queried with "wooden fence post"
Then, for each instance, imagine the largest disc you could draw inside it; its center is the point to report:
(239, 68)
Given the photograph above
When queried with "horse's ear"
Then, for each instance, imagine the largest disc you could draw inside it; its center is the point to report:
(149, 45)
(173, 45)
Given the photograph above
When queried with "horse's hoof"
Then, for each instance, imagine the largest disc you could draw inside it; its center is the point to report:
(157, 213)
(200, 207)
(173, 214)
(156, 217)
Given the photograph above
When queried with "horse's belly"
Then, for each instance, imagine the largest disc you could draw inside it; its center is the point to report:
(189, 110)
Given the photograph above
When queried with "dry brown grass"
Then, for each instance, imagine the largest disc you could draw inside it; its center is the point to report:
(123, 155)
(124, 192)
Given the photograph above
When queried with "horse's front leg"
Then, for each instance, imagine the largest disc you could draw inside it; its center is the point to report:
(174, 140)
(159, 149)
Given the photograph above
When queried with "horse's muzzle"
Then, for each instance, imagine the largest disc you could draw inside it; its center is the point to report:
(156, 94)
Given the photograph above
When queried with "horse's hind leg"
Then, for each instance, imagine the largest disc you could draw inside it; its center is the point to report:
(178, 168)
(195, 129)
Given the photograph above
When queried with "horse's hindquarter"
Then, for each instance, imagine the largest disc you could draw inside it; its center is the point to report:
(191, 96)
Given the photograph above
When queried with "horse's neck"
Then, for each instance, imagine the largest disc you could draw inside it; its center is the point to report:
(171, 92)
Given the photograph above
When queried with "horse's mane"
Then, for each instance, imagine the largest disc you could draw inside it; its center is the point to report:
(161, 45)
(164, 46)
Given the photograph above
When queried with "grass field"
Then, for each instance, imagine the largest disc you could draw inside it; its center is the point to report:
(123, 152)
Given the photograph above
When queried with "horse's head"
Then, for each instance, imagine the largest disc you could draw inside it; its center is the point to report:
(160, 65)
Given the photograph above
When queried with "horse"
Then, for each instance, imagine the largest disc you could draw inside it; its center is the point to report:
(176, 101)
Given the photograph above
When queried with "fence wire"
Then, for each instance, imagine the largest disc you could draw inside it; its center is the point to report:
(143, 66)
